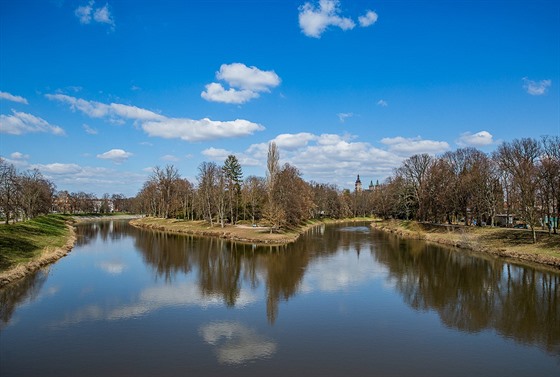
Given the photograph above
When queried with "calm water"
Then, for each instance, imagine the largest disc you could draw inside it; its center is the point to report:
(344, 300)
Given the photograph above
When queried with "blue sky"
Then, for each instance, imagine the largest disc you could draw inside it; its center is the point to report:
(94, 94)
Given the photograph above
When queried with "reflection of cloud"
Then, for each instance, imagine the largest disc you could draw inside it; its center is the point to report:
(236, 343)
(113, 268)
(339, 272)
(151, 299)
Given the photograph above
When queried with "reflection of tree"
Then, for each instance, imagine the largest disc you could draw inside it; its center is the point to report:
(17, 292)
(474, 294)
(105, 230)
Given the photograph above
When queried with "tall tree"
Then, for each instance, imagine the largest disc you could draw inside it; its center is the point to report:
(233, 176)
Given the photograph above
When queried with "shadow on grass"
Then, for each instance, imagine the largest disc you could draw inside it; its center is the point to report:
(524, 237)
(19, 249)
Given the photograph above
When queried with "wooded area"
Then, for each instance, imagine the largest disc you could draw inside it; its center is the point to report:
(518, 182)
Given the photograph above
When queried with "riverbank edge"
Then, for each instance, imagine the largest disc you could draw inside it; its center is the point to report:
(473, 244)
(48, 255)
(263, 238)
(51, 255)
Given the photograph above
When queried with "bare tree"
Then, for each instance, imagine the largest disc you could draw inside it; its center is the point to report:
(8, 190)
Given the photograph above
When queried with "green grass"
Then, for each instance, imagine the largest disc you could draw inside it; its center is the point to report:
(23, 241)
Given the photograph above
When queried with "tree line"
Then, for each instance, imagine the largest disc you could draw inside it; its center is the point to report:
(28, 194)
(520, 179)
(222, 195)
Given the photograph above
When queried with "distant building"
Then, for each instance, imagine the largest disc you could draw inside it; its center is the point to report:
(358, 185)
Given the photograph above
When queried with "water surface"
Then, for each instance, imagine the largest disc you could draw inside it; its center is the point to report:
(344, 300)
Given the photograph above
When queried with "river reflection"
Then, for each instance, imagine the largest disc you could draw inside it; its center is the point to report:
(118, 274)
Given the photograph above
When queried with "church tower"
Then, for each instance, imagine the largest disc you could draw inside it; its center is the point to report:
(358, 185)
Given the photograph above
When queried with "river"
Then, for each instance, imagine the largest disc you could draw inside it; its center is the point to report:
(344, 300)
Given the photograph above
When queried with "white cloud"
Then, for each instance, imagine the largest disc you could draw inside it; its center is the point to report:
(58, 168)
(235, 343)
(382, 103)
(216, 153)
(118, 156)
(21, 123)
(478, 139)
(103, 15)
(368, 19)
(198, 130)
(293, 141)
(13, 98)
(158, 125)
(314, 20)
(90, 130)
(251, 78)
(410, 146)
(215, 92)
(73, 177)
(169, 157)
(19, 156)
(86, 13)
(344, 116)
(100, 110)
(245, 84)
(536, 88)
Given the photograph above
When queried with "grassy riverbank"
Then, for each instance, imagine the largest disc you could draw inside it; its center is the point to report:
(509, 243)
(29, 245)
(240, 233)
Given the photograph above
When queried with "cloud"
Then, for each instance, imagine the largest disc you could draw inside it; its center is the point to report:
(245, 84)
(411, 146)
(58, 168)
(95, 109)
(169, 157)
(344, 116)
(90, 130)
(215, 92)
(161, 126)
(118, 156)
(368, 19)
(313, 20)
(74, 177)
(219, 155)
(216, 153)
(536, 88)
(103, 15)
(21, 123)
(478, 139)
(86, 13)
(382, 103)
(19, 156)
(236, 343)
(13, 98)
(198, 130)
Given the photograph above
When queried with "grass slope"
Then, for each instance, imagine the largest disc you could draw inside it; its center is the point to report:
(24, 241)
(504, 242)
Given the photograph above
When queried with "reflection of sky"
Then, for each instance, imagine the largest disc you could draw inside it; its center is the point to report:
(340, 271)
(151, 299)
(112, 267)
(235, 343)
